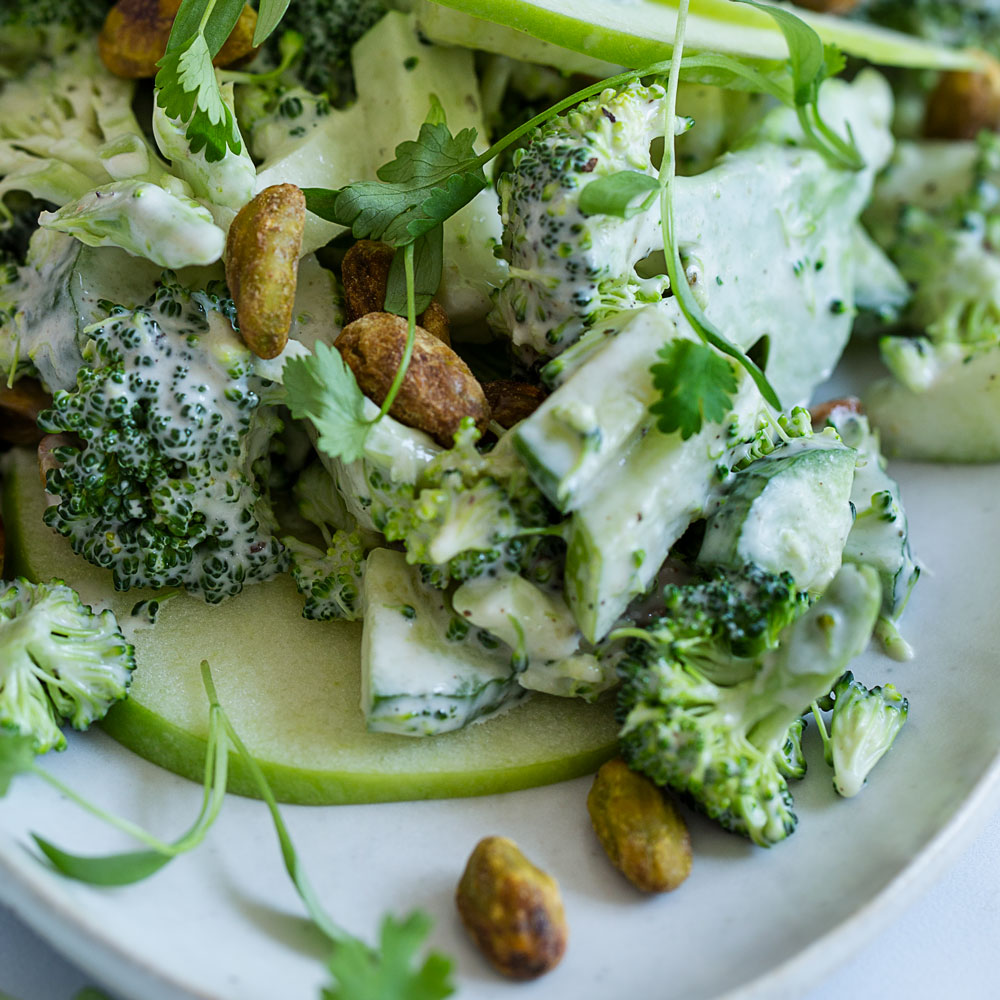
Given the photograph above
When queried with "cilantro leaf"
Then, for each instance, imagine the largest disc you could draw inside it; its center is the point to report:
(811, 62)
(696, 385)
(322, 388)
(269, 14)
(428, 257)
(17, 756)
(616, 194)
(187, 89)
(430, 179)
(388, 973)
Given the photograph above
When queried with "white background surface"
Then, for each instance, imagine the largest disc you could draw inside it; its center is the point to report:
(944, 945)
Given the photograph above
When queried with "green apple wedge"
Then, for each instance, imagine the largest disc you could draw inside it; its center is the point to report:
(292, 689)
(637, 33)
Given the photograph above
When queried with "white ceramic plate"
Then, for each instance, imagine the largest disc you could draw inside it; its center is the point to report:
(224, 923)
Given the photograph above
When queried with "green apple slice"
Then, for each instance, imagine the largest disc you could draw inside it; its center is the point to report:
(641, 32)
(292, 689)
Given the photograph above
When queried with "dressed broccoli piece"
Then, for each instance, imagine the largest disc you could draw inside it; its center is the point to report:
(330, 578)
(699, 716)
(466, 509)
(162, 488)
(59, 661)
(329, 28)
(330, 581)
(569, 270)
(863, 726)
(941, 403)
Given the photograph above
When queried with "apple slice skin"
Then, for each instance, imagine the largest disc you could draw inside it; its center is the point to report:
(292, 689)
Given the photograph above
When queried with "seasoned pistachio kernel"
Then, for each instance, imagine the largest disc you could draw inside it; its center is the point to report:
(262, 257)
(512, 909)
(511, 401)
(963, 104)
(365, 273)
(438, 391)
(20, 405)
(639, 828)
(135, 32)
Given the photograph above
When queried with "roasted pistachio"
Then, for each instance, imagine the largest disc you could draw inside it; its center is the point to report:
(435, 321)
(262, 256)
(20, 405)
(640, 830)
(822, 411)
(46, 453)
(135, 32)
(365, 273)
(438, 391)
(511, 401)
(963, 104)
(512, 909)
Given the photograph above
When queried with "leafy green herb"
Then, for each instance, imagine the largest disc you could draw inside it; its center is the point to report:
(389, 974)
(618, 194)
(428, 260)
(361, 972)
(323, 389)
(269, 14)
(430, 179)
(186, 85)
(695, 384)
(811, 63)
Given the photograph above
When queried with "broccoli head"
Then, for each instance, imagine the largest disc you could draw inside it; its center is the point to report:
(329, 28)
(81, 15)
(468, 512)
(863, 726)
(725, 729)
(59, 661)
(570, 270)
(160, 484)
(330, 581)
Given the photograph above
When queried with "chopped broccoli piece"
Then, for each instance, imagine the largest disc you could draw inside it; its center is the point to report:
(466, 510)
(863, 726)
(330, 581)
(329, 28)
(59, 661)
(82, 15)
(725, 729)
(571, 270)
(161, 487)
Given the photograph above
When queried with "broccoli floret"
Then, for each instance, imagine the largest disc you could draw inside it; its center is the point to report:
(330, 581)
(863, 726)
(81, 15)
(466, 510)
(731, 741)
(570, 270)
(329, 28)
(160, 486)
(59, 661)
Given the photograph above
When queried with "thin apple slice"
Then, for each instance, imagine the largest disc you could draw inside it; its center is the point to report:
(641, 32)
(292, 689)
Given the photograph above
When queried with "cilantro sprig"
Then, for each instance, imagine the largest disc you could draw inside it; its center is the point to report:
(389, 971)
(187, 87)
